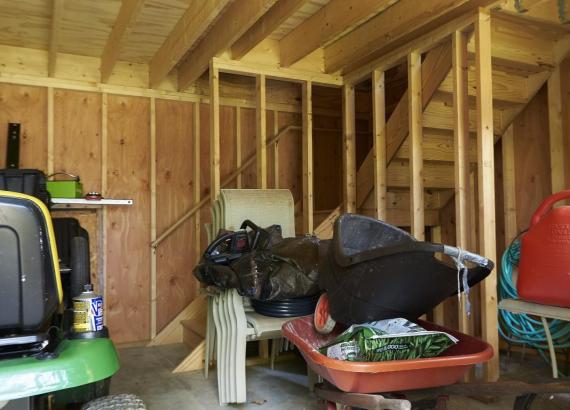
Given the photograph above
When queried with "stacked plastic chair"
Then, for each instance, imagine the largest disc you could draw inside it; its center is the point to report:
(230, 324)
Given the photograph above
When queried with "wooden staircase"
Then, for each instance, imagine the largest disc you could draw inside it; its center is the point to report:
(521, 66)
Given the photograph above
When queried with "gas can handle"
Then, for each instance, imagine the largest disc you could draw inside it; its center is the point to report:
(546, 205)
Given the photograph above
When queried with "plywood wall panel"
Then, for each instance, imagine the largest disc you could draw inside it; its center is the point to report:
(327, 171)
(176, 286)
(27, 106)
(227, 143)
(565, 90)
(532, 158)
(77, 136)
(127, 229)
(248, 131)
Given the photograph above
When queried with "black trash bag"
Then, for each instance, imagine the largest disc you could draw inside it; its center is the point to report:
(267, 267)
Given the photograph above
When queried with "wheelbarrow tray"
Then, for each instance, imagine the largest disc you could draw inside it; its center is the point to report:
(396, 375)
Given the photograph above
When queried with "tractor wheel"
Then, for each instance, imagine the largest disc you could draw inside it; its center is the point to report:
(80, 269)
(116, 402)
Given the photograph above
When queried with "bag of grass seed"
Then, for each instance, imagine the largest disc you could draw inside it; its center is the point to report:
(391, 339)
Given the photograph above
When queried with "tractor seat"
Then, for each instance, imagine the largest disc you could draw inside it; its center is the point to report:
(30, 284)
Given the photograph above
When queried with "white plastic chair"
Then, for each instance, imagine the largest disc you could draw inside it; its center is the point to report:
(230, 325)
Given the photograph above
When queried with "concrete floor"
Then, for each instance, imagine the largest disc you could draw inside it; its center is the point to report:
(147, 373)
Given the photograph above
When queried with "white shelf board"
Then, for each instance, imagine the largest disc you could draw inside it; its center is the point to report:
(91, 202)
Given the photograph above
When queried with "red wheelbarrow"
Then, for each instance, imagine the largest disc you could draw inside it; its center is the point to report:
(389, 376)
(351, 383)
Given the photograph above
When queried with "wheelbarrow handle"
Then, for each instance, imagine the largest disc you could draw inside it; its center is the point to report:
(468, 256)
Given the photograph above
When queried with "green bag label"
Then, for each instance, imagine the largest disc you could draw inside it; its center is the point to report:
(391, 339)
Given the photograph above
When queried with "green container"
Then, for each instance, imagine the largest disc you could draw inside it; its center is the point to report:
(70, 188)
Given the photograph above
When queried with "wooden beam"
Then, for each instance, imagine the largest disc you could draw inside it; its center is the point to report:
(439, 310)
(187, 31)
(56, 17)
(518, 6)
(435, 67)
(557, 167)
(124, 23)
(509, 185)
(462, 162)
(214, 133)
(486, 176)
(349, 149)
(153, 218)
(235, 21)
(402, 23)
(238, 145)
(308, 197)
(266, 25)
(276, 150)
(379, 142)
(327, 24)
(197, 182)
(415, 111)
(261, 132)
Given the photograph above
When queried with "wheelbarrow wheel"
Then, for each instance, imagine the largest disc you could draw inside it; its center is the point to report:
(524, 402)
(324, 323)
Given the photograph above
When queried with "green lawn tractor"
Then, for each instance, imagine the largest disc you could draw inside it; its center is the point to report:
(44, 362)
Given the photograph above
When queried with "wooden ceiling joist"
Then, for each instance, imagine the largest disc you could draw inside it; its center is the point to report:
(185, 34)
(326, 25)
(124, 23)
(236, 20)
(276, 16)
(57, 10)
(397, 25)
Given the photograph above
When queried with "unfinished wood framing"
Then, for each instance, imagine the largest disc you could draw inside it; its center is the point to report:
(238, 145)
(197, 178)
(261, 132)
(183, 36)
(235, 21)
(379, 142)
(126, 19)
(308, 206)
(57, 8)
(556, 132)
(349, 149)
(509, 185)
(486, 176)
(462, 161)
(214, 133)
(153, 268)
(276, 150)
(415, 112)
(439, 310)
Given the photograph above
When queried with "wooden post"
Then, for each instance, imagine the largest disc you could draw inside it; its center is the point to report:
(238, 145)
(153, 262)
(50, 131)
(103, 213)
(261, 132)
(415, 112)
(214, 133)
(349, 149)
(197, 181)
(461, 144)
(486, 175)
(556, 132)
(379, 142)
(276, 150)
(509, 185)
(439, 310)
(307, 97)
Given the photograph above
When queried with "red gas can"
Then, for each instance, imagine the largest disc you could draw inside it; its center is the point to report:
(544, 268)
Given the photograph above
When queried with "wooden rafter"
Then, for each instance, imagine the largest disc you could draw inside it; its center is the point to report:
(393, 28)
(326, 25)
(126, 19)
(57, 10)
(276, 16)
(193, 24)
(235, 21)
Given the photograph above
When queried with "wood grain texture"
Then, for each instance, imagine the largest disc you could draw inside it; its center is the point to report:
(77, 136)
(27, 106)
(205, 216)
(176, 286)
(127, 248)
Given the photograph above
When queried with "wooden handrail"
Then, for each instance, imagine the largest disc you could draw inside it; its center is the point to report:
(225, 182)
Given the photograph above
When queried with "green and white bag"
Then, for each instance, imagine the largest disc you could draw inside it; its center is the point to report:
(391, 339)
